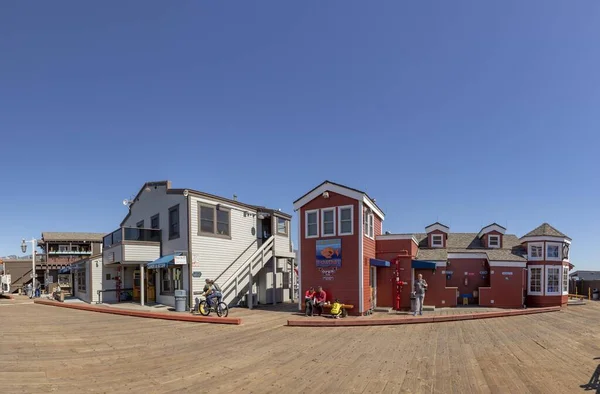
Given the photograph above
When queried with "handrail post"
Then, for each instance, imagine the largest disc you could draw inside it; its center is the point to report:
(250, 295)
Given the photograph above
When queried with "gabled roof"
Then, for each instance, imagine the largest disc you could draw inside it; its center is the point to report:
(339, 189)
(490, 228)
(545, 230)
(437, 226)
(75, 237)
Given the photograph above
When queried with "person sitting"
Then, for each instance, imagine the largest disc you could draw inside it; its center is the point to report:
(336, 309)
(216, 293)
(309, 301)
(320, 298)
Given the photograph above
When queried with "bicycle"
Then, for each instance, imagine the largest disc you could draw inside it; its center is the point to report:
(220, 308)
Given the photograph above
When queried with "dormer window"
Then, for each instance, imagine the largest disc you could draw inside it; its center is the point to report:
(437, 240)
(536, 251)
(493, 241)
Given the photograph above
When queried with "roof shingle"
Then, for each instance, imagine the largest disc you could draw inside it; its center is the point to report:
(545, 230)
(76, 237)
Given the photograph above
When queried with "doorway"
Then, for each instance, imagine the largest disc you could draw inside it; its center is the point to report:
(149, 284)
(373, 284)
(264, 229)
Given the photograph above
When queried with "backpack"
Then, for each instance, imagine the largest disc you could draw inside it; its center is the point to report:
(216, 287)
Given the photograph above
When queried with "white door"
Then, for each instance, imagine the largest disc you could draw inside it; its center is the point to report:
(374, 286)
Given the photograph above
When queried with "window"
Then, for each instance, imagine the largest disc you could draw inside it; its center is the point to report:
(63, 248)
(140, 224)
(155, 221)
(328, 222)
(535, 285)
(345, 226)
(437, 240)
(536, 251)
(493, 241)
(282, 226)
(81, 281)
(170, 279)
(312, 224)
(214, 221)
(553, 280)
(565, 280)
(368, 223)
(552, 251)
(174, 222)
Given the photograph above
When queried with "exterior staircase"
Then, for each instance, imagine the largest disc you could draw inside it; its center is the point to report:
(241, 278)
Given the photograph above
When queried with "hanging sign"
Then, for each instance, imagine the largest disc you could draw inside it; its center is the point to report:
(180, 260)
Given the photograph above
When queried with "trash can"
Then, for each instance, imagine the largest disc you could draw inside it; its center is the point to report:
(595, 294)
(413, 302)
(180, 300)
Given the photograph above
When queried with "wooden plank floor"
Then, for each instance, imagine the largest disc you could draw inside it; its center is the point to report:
(49, 349)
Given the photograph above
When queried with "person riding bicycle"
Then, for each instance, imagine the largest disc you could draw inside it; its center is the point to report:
(212, 291)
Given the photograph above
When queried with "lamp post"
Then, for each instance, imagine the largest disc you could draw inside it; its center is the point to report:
(24, 249)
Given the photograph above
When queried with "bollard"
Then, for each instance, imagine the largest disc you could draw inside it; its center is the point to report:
(589, 293)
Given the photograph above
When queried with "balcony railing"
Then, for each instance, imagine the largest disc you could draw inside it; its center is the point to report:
(131, 234)
(52, 252)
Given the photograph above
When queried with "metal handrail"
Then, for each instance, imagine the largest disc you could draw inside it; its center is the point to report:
(234, 261)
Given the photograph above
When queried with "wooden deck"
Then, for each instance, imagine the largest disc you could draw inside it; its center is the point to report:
(46, 349)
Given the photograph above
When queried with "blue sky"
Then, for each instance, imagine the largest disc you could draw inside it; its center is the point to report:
(465, 112)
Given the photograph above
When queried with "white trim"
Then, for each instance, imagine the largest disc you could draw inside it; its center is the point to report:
(437, 226)
(565, 268)
(439, 263)
(542, 282)
(370, 218)
(361, 275)
(467, 255)
(326, 186)
(306, 213)
(323, 210)
(553, 293)
(545, 238)
(514, 264)
(490, 228)
(496, 236)
(559, 246)
(299, 261)
(351, 207)
(530, 256)
(392, 237)
(433, 245)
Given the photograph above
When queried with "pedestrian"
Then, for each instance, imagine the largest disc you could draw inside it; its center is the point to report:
(320, 298)
(309, 301)
(38, 289)
(420, 288)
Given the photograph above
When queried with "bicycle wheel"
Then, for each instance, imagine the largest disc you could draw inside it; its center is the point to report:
(222, 309)
(203, 308)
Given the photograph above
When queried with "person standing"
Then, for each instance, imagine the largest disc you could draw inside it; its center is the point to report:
(420, 289)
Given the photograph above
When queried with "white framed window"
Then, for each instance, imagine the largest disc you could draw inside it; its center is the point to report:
(553, 251)
(311, 222)
(368, 224)
(553, 275)
(437, 240)
(346, 220)
(493, 241)
(565, 280)
(536, 251)
(327, 222)
(535, 280)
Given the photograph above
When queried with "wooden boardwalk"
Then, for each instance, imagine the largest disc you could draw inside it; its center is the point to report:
(47, 349)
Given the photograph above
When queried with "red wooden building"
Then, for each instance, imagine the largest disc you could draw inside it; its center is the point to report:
(342, 248)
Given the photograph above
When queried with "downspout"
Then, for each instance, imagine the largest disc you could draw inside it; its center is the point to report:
(189, 258)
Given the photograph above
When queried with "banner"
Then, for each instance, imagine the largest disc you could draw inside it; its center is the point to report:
(329, 253)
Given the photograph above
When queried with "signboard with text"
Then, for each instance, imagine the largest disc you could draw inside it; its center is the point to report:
(329, 253)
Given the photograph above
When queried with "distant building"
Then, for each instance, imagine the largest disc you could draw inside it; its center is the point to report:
(585, 275)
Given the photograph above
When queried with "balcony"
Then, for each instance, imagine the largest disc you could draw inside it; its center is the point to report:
(70, 252)
(130, 245)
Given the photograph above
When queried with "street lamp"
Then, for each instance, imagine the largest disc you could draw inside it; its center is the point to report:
(24, 249)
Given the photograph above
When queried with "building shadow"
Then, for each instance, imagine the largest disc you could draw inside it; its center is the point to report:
(594, 383)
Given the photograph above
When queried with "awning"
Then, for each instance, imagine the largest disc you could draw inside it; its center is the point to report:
(422, 264)
(65, 270)
(379, 263)
(163, 262)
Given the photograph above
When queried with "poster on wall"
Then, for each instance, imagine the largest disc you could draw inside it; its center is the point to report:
(329, 253)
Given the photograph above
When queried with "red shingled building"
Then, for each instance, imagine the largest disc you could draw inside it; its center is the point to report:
(342, 248)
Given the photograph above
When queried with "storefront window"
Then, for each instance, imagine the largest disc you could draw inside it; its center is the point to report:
(535, 280)
(565, 283)
(171, 279)
(553, 280)
(81, 281)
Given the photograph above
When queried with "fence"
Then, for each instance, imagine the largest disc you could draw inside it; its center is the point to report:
(583, 287)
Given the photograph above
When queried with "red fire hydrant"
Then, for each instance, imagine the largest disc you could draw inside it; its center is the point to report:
(399, 285)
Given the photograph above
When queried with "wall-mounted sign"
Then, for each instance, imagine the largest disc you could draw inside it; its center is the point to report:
(448, 272)
(507, 273)
(328, 278)
(180, 260)
(196, 274)
(329, 253)
(483, 272)
(471, 273)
